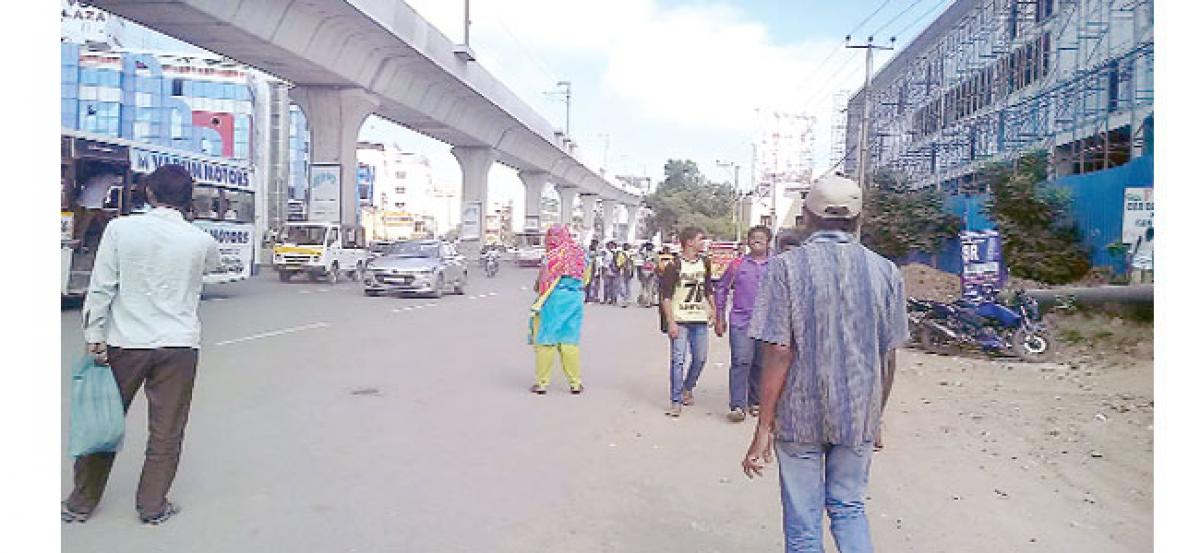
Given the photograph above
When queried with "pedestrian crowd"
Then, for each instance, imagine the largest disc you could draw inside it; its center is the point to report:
(813, 325)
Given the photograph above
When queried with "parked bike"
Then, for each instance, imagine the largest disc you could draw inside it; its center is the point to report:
(982, 323)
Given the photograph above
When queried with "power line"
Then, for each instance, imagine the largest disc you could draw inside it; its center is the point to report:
(839, 81)
(837, 49)
(919, 18)
(873, 14)
(896, 17)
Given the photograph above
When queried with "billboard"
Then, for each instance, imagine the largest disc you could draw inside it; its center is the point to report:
(1138, 214)
(982, 260)
(325, 196)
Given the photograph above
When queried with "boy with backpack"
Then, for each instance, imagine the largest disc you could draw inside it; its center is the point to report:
(687, 308)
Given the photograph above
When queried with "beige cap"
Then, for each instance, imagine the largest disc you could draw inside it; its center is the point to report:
(834, 197)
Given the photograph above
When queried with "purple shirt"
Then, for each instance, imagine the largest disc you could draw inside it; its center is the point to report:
(745, 280)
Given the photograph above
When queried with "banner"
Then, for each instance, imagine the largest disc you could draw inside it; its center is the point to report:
(235, 243)
(472, 227)
(1139, 214)
(982, 260)
(325, 197)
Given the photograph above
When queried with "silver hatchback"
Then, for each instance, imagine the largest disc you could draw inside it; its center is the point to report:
(429, 267)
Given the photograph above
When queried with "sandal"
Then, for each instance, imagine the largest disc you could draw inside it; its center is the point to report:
(69, 516)
(577, 390)
(169, 511)
(753, 410)
(538, 390)
(688, 398)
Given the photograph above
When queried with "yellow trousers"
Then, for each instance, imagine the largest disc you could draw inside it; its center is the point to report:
(570, 362)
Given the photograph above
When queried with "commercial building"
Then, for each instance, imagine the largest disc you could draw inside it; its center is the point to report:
(991, 79)
(398, 194)
(783, 163)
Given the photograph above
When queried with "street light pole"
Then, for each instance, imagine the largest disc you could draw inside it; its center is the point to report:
(737, 190)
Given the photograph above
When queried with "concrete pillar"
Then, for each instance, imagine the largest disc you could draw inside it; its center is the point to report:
(475, 163)
(335, 115)
(535, 183)
(631, 211)
(607, 219)
(566, 208)
(589, 217)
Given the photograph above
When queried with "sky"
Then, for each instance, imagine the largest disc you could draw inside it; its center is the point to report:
(659, 79)
(654, 80)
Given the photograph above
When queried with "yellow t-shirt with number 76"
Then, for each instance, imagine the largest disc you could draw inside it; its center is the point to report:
(688, 302)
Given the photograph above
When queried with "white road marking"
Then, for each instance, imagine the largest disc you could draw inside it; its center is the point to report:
(473, 298)
(219, 299)
(272, 333)
(306, 291)
(430, 305)
(492, 294)
(323, 290)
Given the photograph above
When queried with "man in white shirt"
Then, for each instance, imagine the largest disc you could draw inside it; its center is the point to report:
(140, 316)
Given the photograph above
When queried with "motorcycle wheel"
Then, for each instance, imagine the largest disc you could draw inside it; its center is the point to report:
(1032, 347)
(932, 341)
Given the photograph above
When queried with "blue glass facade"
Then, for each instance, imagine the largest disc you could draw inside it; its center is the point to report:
(183, 103)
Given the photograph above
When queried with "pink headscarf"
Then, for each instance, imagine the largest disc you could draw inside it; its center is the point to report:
(563, 257)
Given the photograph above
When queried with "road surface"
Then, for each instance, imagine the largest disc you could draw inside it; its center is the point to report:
(324, 420)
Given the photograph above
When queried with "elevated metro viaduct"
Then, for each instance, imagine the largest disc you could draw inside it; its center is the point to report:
(352, 58)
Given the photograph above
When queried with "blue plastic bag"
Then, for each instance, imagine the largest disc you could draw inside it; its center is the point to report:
(97, 414)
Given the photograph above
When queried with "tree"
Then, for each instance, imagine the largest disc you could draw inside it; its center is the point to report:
(897, 221)
(1039, 240)
(687, 198)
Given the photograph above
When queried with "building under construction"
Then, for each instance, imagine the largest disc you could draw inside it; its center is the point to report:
(991, 79)
(783, 162)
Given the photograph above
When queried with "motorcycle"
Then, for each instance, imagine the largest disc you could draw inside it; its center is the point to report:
(984, 323)
(491, 266)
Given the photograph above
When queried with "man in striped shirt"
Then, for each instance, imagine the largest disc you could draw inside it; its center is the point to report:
(831, 314)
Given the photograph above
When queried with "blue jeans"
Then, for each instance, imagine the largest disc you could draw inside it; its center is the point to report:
(692, 336)
(833, 477)
(745, 367)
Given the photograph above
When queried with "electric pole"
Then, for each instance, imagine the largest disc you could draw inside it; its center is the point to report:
(564, 90)
(863, 142)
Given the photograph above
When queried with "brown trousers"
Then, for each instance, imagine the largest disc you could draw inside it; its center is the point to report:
(169, 374)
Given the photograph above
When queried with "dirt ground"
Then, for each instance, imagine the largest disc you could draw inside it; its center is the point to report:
(1054, 456)
(1048, 457)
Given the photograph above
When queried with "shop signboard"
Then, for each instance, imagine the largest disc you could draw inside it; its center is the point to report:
(204, 171)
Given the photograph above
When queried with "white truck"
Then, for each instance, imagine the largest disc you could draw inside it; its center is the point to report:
(530, 249)
(320, 250)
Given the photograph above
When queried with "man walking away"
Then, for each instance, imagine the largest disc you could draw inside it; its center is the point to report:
(686, 300)
(593, 272)
(831, 314)
(647, 272)
(625, 266)
(789, 239)
(611, 273)
(140, 317)
(742, 278)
